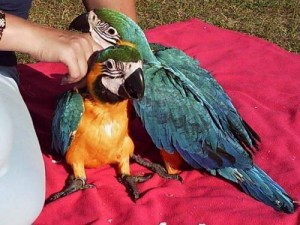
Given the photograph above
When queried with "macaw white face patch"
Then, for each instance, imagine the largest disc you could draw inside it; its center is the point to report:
(104, 34)
(115, 74)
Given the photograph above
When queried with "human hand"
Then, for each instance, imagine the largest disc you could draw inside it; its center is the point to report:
(71, 48)
(50, 45)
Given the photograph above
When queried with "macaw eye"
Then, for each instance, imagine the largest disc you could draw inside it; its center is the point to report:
(109, 64)
(111, 31)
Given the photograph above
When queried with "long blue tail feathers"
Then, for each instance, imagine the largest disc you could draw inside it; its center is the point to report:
(255, 182)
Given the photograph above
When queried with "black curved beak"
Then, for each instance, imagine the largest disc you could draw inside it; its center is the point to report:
(81, 23)
(134, 86)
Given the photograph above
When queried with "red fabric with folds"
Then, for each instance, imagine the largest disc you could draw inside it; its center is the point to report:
(263, 82)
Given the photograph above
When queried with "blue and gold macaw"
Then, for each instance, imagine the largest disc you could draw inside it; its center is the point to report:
(90, 127)
(186, 112)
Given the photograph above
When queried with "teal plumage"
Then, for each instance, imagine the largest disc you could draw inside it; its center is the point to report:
(65, 121)
(210, 91)
(185, 110)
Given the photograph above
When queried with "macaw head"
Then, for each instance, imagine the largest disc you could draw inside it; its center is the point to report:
(109, 27)
(116, 74)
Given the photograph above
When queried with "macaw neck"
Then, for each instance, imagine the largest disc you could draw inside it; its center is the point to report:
(138, 37)
(146, 52)
(102, 108)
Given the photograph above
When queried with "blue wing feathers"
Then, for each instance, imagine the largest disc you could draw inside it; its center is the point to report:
(65, 120)
(210, 90)
(175, 127)
(184, 109)
(217, 123)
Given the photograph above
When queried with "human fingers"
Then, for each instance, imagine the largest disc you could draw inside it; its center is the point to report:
(82, 47)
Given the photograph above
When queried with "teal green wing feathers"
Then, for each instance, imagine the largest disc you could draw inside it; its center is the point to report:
(65, 120)
(189, 126)
(211, 91)
(185, 110)
(181, 117)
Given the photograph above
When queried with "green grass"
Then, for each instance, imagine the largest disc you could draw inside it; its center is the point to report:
(277, 21)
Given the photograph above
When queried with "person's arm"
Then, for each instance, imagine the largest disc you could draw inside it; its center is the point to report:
(124, 6)
(49, 44)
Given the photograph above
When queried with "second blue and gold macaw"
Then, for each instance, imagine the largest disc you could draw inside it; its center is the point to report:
(186, 112)
(90, 127)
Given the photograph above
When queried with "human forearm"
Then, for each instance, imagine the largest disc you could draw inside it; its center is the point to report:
(49, 44)
(125, 6)
(17, 36)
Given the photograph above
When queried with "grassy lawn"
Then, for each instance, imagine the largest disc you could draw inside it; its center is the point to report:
(277, 21)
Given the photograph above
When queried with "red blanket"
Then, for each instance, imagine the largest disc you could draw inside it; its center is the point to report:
(263, 82)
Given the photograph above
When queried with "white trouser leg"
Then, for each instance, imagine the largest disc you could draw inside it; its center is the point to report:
(22, 172)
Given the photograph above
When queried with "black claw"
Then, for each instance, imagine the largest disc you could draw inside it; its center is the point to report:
(156, 168)
(130, 184)
(141, 179)
(72, 185)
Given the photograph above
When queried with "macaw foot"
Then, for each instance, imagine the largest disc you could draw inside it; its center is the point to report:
(72, 185)
(130, 183)
(156, 168)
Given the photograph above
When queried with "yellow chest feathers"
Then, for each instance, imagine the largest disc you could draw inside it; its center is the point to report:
(109, 121)
(102, 135)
